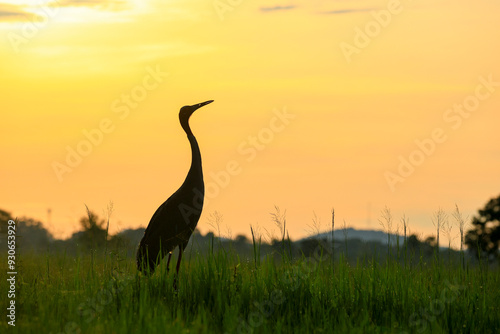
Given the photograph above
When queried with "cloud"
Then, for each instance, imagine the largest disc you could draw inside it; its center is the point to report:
(110, 5)
(328, 12)
(349, 10)
(13, 13)
(23, 13)
(276, 8)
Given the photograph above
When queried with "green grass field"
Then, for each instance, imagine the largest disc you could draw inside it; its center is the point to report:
(218, 293)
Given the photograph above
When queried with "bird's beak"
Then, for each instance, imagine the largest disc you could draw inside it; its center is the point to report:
(199, 105)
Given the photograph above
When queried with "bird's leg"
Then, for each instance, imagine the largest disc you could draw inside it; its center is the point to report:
(168, 261)
(181, 249)
(179, 260)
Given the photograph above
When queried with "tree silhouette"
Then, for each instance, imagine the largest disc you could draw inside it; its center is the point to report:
(241, 239)
(93, 235)
(30, 233)
(484, 238)
(4, 218)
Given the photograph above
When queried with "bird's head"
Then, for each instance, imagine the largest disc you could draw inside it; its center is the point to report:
(187, 111)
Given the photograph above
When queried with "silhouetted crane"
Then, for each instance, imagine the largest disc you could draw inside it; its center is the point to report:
(175, 220)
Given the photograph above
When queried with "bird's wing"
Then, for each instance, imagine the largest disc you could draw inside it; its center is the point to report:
(169, 225)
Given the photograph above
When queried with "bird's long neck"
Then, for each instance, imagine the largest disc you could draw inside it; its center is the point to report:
(194, 178)
(187, 128)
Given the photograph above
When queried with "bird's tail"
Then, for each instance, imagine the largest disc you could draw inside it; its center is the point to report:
(146, 258)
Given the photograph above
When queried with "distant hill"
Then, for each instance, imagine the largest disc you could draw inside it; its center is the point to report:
(363, 235)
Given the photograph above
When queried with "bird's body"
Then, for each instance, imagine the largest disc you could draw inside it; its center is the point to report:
(175, 220)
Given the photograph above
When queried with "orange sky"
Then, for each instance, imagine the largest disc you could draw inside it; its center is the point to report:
(359, 87)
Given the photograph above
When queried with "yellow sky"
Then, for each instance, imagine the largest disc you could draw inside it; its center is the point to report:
(317, 103)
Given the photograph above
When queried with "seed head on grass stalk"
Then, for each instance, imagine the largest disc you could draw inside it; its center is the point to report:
(405, 221)
(107, 213)
(462, 223)
(279, 219)
(256, 242)
(346, 232)
(396, 235)
(215, 220)
(447, 228)
(438, 221)
(333, 236)
(386, 222)
(315, 227)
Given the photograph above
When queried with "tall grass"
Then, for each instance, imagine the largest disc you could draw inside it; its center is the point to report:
(333, 238)
(439, 219)
(405, 221)
(386, 223)
(218, 293)
(462, 223)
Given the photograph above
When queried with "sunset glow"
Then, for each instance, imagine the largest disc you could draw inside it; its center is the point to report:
(355, 105)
